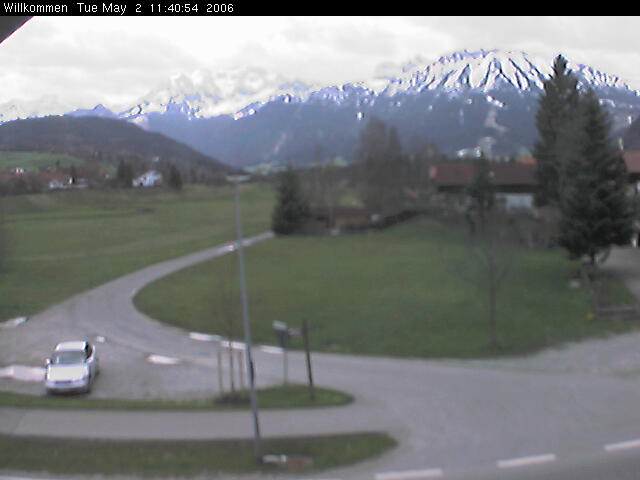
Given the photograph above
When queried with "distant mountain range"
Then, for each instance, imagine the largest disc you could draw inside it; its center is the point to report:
(463, 103)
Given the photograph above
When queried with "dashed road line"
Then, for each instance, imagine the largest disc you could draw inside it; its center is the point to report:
(410, 474)
(525, 461)
(612, 447)
(162, 360)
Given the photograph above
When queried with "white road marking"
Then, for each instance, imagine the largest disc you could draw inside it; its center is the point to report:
(204, 337)
(23, 373)
(234, 345)
(163, 360)
(270, 349)
(14, 322)
(612, 447)
(524, 461)
(410, 474)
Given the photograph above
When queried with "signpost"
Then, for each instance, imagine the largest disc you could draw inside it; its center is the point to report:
(305, 339)
(284, 333)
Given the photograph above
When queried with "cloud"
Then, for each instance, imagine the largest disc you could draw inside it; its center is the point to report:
(111, 59)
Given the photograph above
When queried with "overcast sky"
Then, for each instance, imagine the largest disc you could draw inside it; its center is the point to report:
(115, 60)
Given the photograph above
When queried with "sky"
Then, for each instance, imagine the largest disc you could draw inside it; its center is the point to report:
(85, 61)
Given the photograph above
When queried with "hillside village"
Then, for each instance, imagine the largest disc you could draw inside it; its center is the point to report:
(18, 179)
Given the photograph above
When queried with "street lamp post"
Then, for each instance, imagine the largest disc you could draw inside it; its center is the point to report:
(245, 319)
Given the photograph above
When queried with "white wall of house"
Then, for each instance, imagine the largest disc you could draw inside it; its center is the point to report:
(148, 179)
(513, 201)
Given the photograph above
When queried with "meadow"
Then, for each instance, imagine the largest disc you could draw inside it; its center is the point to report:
(34, 161)
(55, 245)
(414, 290)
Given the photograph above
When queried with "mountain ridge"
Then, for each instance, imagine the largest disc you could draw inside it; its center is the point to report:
(464, 101)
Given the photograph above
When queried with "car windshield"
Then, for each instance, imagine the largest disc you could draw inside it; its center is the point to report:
(67, 358)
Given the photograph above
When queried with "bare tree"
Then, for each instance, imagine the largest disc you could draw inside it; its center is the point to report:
(492, 252)
(493, 243)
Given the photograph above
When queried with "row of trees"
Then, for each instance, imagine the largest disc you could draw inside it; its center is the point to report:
(383, 175)
(386, 174)
(580, 170)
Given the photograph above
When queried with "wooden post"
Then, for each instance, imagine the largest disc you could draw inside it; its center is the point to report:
(305, 338)
(220, 381)
(241, 369)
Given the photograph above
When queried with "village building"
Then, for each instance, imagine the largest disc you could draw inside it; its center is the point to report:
(515, 183)
(151, 178)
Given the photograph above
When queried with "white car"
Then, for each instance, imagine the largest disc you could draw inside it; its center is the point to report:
(72, 367)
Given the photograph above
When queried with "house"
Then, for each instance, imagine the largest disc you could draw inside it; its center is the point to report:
(515, 183)
(151, 178)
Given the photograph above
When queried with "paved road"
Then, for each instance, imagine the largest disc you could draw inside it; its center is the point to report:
(551, 412)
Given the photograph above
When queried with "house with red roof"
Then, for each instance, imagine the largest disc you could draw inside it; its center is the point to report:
(515, 182)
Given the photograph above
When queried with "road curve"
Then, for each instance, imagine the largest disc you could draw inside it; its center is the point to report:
(452, 419)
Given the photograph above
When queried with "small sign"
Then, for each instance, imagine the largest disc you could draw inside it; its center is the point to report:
(278, 325)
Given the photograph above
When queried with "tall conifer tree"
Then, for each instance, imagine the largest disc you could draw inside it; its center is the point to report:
(596, 211)
(292, 209)
(555, 121)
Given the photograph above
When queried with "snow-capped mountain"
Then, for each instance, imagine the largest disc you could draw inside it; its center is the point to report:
(43, 106)
(460, 102)
(487, 70)
(204, 94)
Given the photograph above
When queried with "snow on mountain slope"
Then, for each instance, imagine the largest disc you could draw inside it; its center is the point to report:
(242, 92)
(41, 107)
(487, 70)
(203, 94)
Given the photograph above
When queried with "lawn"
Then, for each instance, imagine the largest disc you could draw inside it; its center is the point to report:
(58, 244)
(34, 161)
(164, 458)
(412, 290)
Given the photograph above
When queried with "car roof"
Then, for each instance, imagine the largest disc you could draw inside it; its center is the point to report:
(75, 345)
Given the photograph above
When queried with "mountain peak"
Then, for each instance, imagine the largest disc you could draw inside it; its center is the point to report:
(486, 70)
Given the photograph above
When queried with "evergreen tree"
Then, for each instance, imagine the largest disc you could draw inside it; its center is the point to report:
(555, 121)
(292, 209)
(596, 212)
(124, 175)
(175, 179)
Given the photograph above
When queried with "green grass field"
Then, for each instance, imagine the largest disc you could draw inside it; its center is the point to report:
(165, 458)
(34, 161)
(412, 290)
(58, 244)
